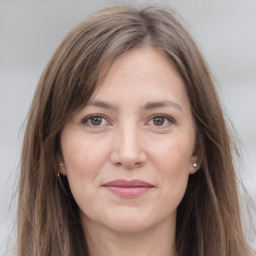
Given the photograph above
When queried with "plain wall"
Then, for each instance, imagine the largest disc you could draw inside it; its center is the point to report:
(30, 31)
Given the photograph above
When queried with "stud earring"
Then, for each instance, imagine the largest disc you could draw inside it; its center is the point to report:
(195, 165)
(61, 164)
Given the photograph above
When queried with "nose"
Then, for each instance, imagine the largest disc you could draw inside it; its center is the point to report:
(128, 150)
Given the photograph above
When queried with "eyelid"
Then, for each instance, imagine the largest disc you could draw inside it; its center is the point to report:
(85, 119)
(170, 119)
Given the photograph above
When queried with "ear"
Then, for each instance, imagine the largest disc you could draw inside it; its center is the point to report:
(62, 169)
(194, 164)
(197, 157)
(61, 166)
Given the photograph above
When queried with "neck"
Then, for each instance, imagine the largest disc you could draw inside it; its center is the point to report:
(159, 240)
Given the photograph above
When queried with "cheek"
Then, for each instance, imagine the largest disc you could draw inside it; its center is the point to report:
(173, 154)
(81, 155)
(83, 162)
(84, 158)
(174, 184)
(172, 162)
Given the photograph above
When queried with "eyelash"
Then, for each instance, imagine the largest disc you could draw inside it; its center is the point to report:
(87, 119)
(169, 119)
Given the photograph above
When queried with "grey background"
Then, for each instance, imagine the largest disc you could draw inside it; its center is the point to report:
(30, 31)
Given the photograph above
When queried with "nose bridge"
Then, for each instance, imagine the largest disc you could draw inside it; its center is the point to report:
(128, 147)
(130, 139)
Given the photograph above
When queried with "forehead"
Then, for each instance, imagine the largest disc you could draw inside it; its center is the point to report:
(141, 73)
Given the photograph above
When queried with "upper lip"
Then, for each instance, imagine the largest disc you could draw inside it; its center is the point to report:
(127, 183)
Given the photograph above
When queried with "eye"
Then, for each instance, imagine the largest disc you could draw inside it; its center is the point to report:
(95, 121)
(161, 121)
(158, 121)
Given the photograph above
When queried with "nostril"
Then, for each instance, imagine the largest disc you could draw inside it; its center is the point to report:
(130, 165)
(138, 164)
(127, 149)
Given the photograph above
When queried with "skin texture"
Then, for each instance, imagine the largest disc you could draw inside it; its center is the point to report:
(131, 139)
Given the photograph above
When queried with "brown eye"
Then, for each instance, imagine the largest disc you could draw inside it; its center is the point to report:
(161, 121)
(158, 121)
(96, 120)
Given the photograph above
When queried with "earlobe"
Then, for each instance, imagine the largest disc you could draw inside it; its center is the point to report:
(197, 157)
(62, 169)
(194, 166)
(195, 163)
(61, 165)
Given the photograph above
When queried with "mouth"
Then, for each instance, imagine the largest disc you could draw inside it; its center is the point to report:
(128, 189)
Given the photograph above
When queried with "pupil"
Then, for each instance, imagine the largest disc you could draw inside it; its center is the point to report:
(158, 121)
(96, 121)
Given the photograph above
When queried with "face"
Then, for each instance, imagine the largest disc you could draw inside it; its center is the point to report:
(129, 152)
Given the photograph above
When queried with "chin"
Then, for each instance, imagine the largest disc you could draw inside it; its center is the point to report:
(129, 221)
(128, 226)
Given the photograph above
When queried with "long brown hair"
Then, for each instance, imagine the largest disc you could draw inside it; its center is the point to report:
(208, 218)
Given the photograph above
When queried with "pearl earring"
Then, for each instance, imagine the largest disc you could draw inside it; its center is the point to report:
(195, 165)
(61, 164)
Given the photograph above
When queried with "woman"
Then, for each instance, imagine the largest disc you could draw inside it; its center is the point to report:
(126, 150)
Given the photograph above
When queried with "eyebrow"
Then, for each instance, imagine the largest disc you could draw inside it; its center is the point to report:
(148, 106)
(101, 104)
(159, 104)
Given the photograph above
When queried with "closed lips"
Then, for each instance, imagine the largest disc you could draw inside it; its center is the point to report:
(128, 189)
(127, 184)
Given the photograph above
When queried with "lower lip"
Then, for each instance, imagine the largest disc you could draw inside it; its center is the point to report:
(128, 191)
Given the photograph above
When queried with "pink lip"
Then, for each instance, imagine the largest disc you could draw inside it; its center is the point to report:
(124, 188)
